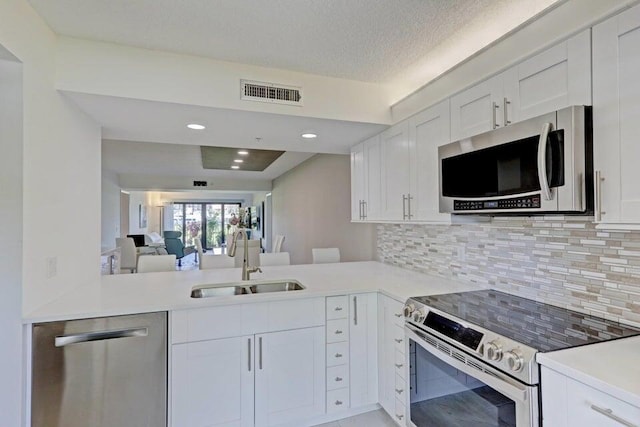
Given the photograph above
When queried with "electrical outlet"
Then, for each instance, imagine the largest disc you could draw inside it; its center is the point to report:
(52, 267)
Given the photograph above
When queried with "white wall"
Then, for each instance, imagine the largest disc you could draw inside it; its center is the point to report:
(11, 237)
(110, 209)
(312, 209)
(116, 70)
(61, 196)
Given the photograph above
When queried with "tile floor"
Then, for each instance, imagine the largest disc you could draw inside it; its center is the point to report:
(377, 418)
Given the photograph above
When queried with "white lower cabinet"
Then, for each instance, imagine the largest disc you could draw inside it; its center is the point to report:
(393, 387)
(290, 376)
(570, 403)
(272, 376)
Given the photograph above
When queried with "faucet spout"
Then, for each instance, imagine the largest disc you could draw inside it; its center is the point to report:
(246, 269)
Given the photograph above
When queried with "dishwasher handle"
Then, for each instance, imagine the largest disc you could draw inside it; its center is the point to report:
(100, 336)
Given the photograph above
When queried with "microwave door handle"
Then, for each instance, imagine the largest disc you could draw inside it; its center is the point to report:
(542, 162)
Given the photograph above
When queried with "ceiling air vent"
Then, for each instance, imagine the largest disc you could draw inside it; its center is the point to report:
(270, 92)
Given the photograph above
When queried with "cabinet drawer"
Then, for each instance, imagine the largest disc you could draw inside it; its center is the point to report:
(400, 389)
(338, 377)
(337, 354)
(337, 330)
(337, 307)
(397, 335)
(400, 364)
(590, 407)
(400, 412)
(337, 400)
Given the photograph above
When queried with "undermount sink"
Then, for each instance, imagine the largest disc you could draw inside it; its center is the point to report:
(245, 288)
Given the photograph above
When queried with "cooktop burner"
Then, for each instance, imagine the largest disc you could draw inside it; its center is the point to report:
(541, 326)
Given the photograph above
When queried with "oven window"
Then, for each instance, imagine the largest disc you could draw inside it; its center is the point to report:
(503, 170)
(442, 396)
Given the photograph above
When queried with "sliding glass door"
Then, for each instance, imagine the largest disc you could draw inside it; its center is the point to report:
(205, 222)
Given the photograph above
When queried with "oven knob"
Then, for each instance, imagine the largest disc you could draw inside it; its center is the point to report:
(418, 316)
(514, 360)
(408, 309)
(494, 351)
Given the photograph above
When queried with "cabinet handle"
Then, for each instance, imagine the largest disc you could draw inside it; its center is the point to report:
(361, 209)
(249, 358)
(599, 212)
(506, 102)
(609, 414)
(398, 314)
(404, 210)
(399, 416)
(338, 309)
(260, 352)
(409, 198)
(338, 402)
(399, 365)
(364, 209)
(399, 390)
(338, 379)
(338, 332)
(398, 340)
(355, 310)
(494, 107)
(338, 355)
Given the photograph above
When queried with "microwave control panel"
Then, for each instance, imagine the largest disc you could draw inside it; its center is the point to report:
(528, 202)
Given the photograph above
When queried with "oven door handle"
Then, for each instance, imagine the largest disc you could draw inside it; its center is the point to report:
(499, 382)
(547, 193)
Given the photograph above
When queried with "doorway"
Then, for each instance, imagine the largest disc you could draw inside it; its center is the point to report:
(207, 222)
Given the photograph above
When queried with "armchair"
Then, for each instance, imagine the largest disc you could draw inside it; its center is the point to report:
(175, 246)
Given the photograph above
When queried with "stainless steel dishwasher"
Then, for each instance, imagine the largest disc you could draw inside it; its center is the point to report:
(102, 372)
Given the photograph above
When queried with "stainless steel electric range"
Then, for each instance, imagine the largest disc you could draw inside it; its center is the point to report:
(472, 355)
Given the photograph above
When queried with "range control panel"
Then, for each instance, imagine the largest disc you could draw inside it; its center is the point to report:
(528, 202)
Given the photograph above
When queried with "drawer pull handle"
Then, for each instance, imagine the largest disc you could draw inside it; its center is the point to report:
(338, 379)
(609, 413)
(338, 309)
(398, 340)
(338, 355)
(338, 402)
(338, 332)
(399, 365)
(398, 314)
(399, 416)
(399, 390)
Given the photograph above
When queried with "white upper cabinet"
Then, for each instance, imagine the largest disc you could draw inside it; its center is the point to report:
(365, 180)
(616, 118)
(427, 131)
(395, 155)
(477, 109)
(554, 79)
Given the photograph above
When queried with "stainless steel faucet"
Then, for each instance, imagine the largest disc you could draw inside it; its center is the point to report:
(246, 270)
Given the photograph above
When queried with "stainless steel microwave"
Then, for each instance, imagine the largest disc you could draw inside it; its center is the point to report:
(541, 165)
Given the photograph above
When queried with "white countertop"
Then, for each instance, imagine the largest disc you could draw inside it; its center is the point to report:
(612, 367)
(139, 293)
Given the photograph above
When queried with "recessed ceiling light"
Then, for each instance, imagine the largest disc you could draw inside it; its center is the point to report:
(195, 126)
(235, 167)
(309, 135)
(238, 160)
(243, 153)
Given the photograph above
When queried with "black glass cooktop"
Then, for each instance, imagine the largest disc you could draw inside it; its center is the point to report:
(537, 325)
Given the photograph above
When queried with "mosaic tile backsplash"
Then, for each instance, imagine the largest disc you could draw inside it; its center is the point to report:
(564, 261)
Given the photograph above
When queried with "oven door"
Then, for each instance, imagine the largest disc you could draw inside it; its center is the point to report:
(451, 388)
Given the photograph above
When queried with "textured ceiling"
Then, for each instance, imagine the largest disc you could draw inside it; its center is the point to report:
(367, 40)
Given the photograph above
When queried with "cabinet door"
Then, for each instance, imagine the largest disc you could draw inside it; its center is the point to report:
(427, 131)
(372, 178)
(290, 376)
(477, 109)
(395, 171)
(357, 181)
(388, 310)
(554, 79)
(616, 91)
(363, 349)
(212, 383)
